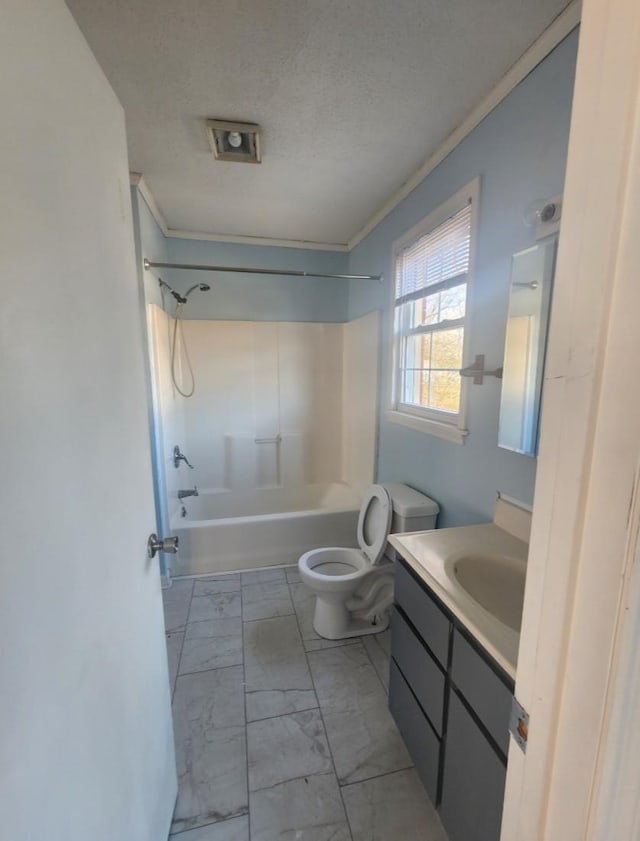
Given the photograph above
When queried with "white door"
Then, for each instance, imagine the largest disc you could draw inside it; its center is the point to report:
(86, 747)
(576, 780)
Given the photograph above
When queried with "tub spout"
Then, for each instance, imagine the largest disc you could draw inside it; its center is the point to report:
(185, 494)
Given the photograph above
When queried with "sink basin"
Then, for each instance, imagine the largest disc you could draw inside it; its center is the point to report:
(494, 582)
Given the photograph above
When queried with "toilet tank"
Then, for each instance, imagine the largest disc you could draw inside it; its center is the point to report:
(412, 510)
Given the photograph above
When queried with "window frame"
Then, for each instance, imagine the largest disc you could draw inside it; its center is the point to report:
(447, 425)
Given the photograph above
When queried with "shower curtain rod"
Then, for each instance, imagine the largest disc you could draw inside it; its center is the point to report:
(150, 264)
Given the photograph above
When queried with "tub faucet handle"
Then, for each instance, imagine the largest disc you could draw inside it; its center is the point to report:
(178, 457)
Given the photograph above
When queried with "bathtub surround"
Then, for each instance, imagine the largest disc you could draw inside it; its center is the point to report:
(282, 420)
(293, 752)
(257, 381)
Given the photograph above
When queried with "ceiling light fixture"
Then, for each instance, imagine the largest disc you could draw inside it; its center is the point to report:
(231, 141)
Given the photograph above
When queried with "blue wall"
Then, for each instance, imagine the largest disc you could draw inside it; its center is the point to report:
(519, 150)
(259, 297)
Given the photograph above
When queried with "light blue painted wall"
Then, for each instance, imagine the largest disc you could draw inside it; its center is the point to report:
(152, 241)
(247, 297)
(519, 151)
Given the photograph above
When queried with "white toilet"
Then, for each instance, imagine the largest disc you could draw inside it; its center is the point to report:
(354, 587)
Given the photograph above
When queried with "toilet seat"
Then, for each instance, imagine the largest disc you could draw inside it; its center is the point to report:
(334, 564)
(374, 523)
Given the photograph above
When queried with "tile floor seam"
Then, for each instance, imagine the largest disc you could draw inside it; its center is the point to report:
(324, 726)
(280, 715)
(189, 611)
(205, 825)
(246, 729)
(184, 636)
(266, 618)
(294, 779)
(215, 669)
(373, 666)
(212, 576)
(175, 686)
(377, 776)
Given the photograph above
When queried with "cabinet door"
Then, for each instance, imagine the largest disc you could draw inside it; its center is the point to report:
(483, 690)
(473, 780)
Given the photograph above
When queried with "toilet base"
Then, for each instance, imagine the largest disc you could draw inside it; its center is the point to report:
(335, 622)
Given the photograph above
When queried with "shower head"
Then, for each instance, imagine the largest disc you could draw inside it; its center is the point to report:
(182, 299)
(173, 292)
(203, 287)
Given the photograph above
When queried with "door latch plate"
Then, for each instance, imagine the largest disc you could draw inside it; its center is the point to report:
(519, 724)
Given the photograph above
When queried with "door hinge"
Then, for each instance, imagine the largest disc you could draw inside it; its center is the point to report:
(519, 724)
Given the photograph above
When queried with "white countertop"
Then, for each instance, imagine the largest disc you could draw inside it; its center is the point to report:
(431, 554)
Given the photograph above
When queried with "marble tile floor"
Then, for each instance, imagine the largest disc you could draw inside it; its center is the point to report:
(280, 734)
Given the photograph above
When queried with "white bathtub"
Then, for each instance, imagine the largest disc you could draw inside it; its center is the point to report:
(228, 530)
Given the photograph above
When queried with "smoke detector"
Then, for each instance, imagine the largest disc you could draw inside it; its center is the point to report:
(231, 141)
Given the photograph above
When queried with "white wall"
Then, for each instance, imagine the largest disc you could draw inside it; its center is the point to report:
(360, 399)
(86, 746)
(258, 380)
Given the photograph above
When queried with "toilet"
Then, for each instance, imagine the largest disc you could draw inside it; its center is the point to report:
(354, 587)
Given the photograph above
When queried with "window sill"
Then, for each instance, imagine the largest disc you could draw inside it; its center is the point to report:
(448, 431)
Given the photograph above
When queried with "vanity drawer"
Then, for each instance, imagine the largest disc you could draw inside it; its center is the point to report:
(422, 743)
(423, 612)
(486, 693)
(419, 669)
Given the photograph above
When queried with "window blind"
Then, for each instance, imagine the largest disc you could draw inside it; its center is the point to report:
(436, 258)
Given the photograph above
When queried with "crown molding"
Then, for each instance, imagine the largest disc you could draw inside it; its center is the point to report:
(556, 32)
(248, 240)
(137, 180)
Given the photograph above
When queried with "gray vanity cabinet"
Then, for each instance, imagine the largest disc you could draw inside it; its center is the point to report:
(473, 780)
(451, 704)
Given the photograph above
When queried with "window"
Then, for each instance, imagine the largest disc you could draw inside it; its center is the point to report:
(431, 268)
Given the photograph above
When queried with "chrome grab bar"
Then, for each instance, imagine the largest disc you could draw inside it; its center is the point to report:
(276, 440)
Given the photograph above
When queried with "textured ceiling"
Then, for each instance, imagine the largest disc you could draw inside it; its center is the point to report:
(352, 96)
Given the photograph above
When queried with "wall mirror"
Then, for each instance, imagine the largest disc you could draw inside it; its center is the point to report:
(529, 303)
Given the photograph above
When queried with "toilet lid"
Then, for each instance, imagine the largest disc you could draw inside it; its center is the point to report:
(374, 522)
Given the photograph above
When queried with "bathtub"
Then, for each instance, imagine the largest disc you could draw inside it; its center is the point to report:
(229, 530)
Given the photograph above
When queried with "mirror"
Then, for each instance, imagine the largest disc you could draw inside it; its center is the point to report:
(529, 304)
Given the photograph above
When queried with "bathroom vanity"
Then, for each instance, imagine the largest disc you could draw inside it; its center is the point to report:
(453, 667)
